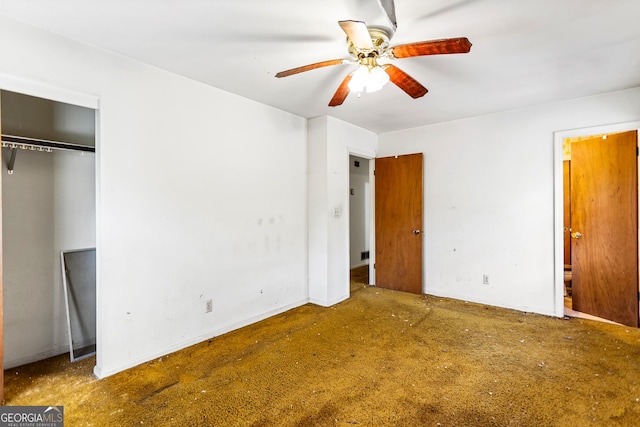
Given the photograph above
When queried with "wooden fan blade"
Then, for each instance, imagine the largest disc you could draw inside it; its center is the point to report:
(405, 82)
(358, 34)
(341, 93)
(311, 67)
(433, 47)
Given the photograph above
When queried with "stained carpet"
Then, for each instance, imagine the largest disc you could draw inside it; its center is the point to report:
(381, 358)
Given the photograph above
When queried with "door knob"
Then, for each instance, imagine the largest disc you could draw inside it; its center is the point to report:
(576, 235)
(416, 231)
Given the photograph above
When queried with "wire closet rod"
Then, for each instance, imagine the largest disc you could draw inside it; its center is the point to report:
(12, 141)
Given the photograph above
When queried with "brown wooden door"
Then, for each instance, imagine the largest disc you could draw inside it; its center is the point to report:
(398, 204)
(604, 211)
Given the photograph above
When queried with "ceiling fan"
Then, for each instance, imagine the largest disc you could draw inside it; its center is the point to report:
(369, 47)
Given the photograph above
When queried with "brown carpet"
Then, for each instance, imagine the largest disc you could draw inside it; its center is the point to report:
(380, 358)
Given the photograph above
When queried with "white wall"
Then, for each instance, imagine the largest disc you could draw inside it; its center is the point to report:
(359, 211)
(48, 206)
(330, 143)
(489, 194)
(201, 195)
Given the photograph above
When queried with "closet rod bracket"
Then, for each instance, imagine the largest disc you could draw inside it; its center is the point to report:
(12, 161)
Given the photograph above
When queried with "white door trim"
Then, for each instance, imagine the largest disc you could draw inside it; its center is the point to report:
(47, 91)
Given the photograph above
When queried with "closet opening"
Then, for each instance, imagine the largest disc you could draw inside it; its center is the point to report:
(48, 210)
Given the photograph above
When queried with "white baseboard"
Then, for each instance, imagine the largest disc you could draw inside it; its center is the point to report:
(103, 373)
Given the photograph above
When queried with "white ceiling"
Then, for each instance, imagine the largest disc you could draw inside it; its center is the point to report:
(525, 52)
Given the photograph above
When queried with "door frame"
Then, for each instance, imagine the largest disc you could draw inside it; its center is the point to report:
(558, 201)
(371, 157)
(54, 93)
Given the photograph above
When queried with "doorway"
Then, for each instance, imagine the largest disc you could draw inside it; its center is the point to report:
(596, 219)
(360, 203)
(49, 172)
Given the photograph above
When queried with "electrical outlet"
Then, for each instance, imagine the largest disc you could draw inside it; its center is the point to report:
(209, 306)
(485, 279)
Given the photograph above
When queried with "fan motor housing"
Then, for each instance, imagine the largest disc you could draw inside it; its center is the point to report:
(380, 38)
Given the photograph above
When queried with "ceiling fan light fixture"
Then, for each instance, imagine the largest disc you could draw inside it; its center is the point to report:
(369, 47)
(368, 79)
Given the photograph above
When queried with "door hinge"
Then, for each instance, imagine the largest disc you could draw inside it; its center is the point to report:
(637, 151)
(374, 267)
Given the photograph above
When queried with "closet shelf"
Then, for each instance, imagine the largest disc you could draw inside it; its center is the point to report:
(20, 142)
(12, 141)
